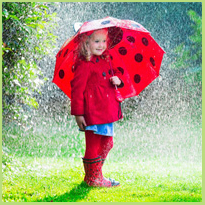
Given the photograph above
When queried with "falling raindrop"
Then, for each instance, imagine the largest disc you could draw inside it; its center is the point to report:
(164, 122)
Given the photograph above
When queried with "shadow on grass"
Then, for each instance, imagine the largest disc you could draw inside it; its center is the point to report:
(78, 193)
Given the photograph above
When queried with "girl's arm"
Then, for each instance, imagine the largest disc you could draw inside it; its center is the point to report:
(78, 85)
(115, 80)
(81, 122)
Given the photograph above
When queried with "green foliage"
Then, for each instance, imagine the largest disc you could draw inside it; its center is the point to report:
(27, 37)
(190, 55)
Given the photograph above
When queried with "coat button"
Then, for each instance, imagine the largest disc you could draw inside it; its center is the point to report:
(97, 60)
(104, 74)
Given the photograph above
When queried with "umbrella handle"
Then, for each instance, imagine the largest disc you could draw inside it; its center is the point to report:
(118, 95)
(111, 68)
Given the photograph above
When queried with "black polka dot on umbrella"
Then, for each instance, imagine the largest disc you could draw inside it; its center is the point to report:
(111, 72)
(131, 39)
(122, 51)
(152, 61)
(65, 52)
(145, 41)
(61, 74)
(121, 70)
(137, 78)
(105, 22)
(60, 53)
(77, 39)
(121, 85)
(138, 57)
(111, 57)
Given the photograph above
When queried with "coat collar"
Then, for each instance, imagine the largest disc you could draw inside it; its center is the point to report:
(95, 59)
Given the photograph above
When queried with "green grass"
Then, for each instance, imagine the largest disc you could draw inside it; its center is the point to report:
(61, 180)
(155, 160)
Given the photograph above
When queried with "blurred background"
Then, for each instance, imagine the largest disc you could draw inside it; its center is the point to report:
(164, 122)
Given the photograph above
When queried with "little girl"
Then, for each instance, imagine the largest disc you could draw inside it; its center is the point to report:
(94, 104)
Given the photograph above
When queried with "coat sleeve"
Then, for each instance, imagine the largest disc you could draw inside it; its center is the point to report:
(78, 85)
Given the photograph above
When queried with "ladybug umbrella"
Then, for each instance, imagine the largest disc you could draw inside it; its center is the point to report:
(133, 52)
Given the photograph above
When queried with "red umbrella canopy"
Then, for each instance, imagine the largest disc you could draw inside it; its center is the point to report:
(133, 52)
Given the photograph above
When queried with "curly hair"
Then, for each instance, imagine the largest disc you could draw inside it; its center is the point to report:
(81, 52)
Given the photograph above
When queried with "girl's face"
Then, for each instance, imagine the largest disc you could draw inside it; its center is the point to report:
(97, 43)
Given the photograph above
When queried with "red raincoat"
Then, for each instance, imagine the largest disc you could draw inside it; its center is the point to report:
(92, 93)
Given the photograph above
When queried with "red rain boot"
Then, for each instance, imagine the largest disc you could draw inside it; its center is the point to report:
(93, 173)
(86, 166)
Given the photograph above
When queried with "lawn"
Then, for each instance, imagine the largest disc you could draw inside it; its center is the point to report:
(61, 180)
(154, 161)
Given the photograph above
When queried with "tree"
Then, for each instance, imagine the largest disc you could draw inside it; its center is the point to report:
(189, 57)
(27, 38)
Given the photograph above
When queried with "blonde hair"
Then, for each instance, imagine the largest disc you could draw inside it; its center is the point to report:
(81, 52)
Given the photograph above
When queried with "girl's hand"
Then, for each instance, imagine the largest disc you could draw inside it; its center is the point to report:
(81, 122)
(115, 80)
